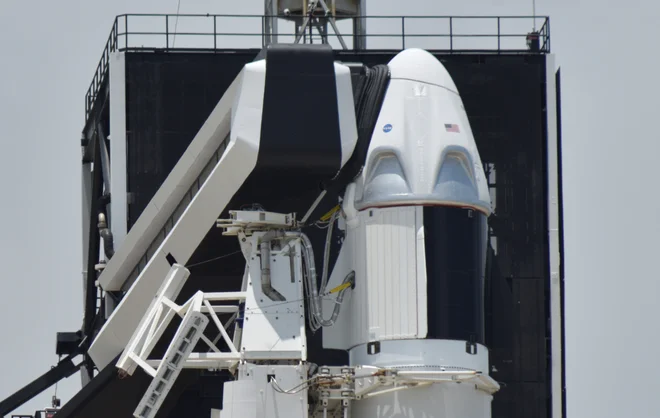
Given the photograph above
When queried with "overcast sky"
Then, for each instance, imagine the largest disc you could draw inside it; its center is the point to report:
(50, 49)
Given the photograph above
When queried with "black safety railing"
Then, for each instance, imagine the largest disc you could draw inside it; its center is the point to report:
(101, 72)
(453, 34)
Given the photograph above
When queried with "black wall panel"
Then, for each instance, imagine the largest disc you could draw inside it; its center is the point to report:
(170, 95)
(168, 98)
(521, 400)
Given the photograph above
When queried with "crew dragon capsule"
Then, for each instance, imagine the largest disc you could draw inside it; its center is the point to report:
(416, 235)
(424, 153)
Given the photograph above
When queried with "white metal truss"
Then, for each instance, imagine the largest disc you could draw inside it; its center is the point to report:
(204, 307)
(197, 307)
(180, 354)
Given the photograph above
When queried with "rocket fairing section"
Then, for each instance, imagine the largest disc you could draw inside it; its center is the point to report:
(417, 215)
(416, 237)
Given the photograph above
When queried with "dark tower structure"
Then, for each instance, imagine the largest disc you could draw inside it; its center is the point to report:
(149, 97)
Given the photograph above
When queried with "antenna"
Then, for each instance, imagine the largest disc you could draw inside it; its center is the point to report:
(533, 38)
(315, 15)
(176, 21)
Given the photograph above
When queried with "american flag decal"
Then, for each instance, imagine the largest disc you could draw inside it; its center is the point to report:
(451, 127)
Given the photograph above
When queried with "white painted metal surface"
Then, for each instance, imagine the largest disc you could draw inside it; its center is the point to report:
(239, 400)
(255, 392)
(391, 272)
(196, 314)
(422, 276)
(422, 354)
(164, 376)
(428, 360)
(118, 153)
(553, 239)
(435, 400)
(234, 167)
(385, 247)
(339, 336)
(178, 182)
(346, 112)
(159, 316)
(419, 65)
(422, 150)
(86, 200)
(275, 329)
(254, 220)
(153, 324)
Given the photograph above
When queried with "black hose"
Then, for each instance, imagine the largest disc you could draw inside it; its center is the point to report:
(368, 97)
(108, 242)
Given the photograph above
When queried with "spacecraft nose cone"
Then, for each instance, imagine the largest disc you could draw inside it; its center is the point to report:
(419, 65)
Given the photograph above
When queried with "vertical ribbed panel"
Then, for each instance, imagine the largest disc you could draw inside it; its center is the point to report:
(391, 273)
(359, 302)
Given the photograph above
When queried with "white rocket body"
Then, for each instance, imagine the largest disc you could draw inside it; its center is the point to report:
(422, 154)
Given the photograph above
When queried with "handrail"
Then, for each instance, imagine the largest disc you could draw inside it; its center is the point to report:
(123, 36)
(101, 72)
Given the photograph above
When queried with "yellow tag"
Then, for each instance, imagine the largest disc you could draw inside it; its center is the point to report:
(330, 213)
(340, 288)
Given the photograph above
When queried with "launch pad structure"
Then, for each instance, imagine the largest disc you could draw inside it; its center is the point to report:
(153, 90)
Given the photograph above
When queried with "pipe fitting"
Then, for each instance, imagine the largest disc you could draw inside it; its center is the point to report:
(106, 235)
(266, 280)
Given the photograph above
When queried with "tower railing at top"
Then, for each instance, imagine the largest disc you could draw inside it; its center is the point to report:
(206, 32)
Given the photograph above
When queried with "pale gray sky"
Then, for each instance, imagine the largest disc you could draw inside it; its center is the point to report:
(49, 50)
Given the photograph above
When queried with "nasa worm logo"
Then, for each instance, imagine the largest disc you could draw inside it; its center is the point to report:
(387, 128)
